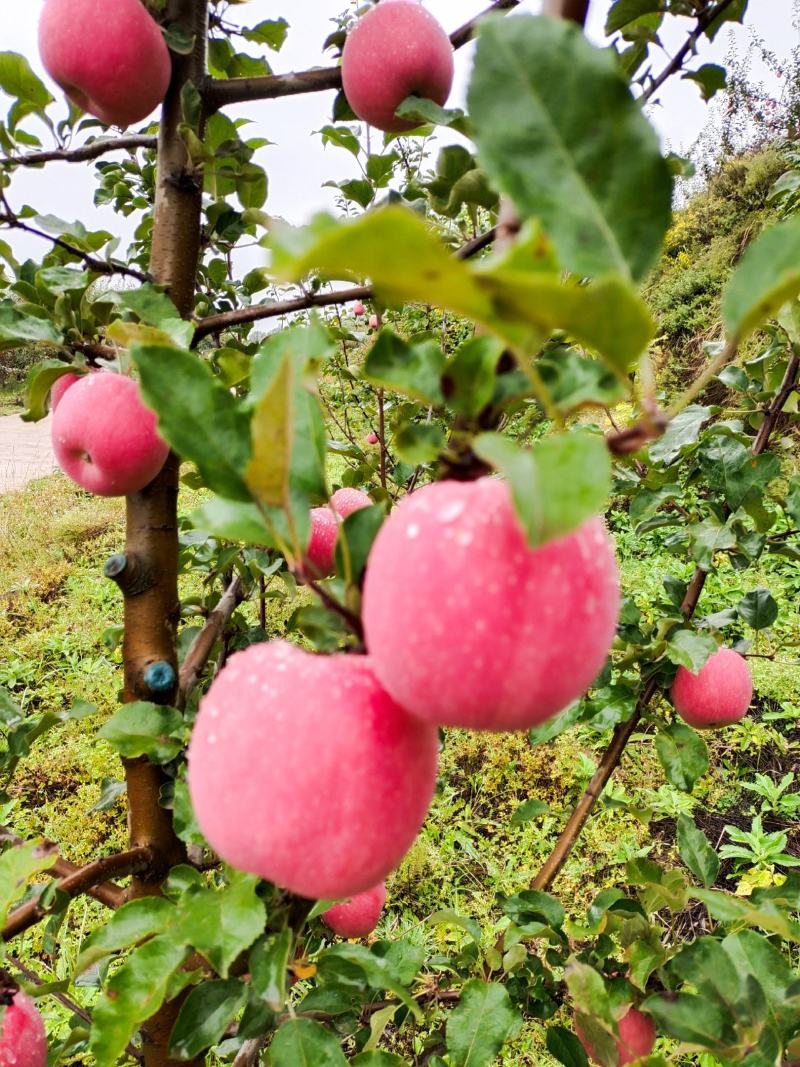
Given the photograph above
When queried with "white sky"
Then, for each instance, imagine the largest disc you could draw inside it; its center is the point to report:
(297, 164)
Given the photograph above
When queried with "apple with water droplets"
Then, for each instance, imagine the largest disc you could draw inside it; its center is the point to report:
(304, 771)
(104, 437)
(23, 1040)
(109, 57)
(394, 51)
(325, 521)
(358, 916)
(718, 695)
(466, 625)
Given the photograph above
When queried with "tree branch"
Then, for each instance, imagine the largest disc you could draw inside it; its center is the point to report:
(202, 645)
(86, 152)
(219, 93)
(690, 45)
(622, 734)
(107, 893)
(80, 881)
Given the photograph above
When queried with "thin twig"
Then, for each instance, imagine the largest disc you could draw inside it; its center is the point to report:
(86, 152)
(108, 893)
(81, 881)
(247, 1056)
(219, 93)
(201, 647)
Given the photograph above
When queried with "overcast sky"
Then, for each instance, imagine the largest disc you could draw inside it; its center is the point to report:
(296, 163)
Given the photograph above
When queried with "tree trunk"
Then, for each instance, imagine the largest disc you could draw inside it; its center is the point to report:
(148, 574)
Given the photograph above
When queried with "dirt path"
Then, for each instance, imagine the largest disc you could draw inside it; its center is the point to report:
(25, 451)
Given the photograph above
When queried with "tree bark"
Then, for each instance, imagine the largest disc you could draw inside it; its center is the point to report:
(148, 573)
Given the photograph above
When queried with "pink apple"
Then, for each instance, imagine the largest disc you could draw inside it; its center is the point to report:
(372, 438)
(109, 57)
(320, 554)
(358, 916)
(302, 770)
(396, 50)
(346, 501)
(358, 309)
(23, 1041)
(637, 1035)
(718, 696)
(60, 386)
(374, 321)
(468, 626)
(104, 438)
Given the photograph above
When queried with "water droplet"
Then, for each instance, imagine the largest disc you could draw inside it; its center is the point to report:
(451, 511)
(412, 531)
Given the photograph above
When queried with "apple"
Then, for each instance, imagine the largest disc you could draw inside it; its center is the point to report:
(60, 386)
(466, 625)
(372, 438)
(320, 554)
(23, 1041)
(374, 321)
(396, 50)
(104, 438)
(718, 696)
(358, 916)
(109, 57)
(358, 309)
(637, 1035)
(304, 771)
(346, 501)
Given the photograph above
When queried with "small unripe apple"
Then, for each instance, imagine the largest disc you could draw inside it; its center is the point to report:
(23, 1041)
(374, 321)
(396, 50)
(358, 916)
(346, 501)
(104, 438)
(304, 771)
(358, 309)
(637, 1035)
(468, 626)
(372, 438)
(109, 57)
(718, 696)
(60, 386)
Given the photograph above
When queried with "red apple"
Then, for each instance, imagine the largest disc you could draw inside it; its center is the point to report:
(374, 321)
(302, 770)
(372, 438)
(320, 554)
(718, 696)
(358, 309)
(358, 916)
(637, 1035)
(60, 386)
(346, 501)
(397, 49)
(468, 626)
(109, 57)
(23, 1041)
(104, 438)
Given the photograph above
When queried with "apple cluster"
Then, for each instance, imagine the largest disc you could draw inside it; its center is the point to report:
(104, 437)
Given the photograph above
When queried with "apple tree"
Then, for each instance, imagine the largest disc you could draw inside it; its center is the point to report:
(456, 336)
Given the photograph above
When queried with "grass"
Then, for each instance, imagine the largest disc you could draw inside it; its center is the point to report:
(53, 541)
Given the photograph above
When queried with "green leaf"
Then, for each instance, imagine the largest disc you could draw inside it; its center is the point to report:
(305, 1043)
(133, 994)
(710, 77)
(16, 327)
(793, 499)
(478, 1028)
(205, 1015)
(448, 917)
(132, 923)
(353, 545)
(565, 1047)
(588, 990)
(753, 954)
(41, 379)
(533, 905)
(197, 416)
(529, 810)
(681, 433)
(18, 80)
(412, 369)
(17, 865)
(623, 12)
(556, 486)
(419, 442)
(689, 649)
(758, 608)
(690, 1018)
(767, 276)
(696, 852)
(252, 186)
(426, 112)
(379, 972)
(575, 381)
(144, 729)
(221, 924)
(543, 102)
(540, 735)
(683, 755)
(154, 308)
(233, 521)
(708, 538)
(468, 379)
(271, 32)
(378, 1059)
(269, 960)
